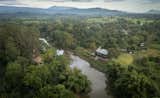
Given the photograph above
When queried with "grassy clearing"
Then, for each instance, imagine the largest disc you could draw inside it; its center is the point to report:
(125, 59)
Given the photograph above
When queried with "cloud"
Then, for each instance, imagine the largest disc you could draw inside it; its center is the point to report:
(7, 0)
(83, 0)
(10, 2)
(113, 0)
(18, 1)
(124, 5)
(155, 1)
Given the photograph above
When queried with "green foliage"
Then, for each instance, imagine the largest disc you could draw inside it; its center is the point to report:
(124, 60)
(36, 76)
(14, 72)
(63, 39)
(114, 32)
(13, 80)
(15, 41)
(20, 78)
(134, 85)
(58, 91)
(120, 35)
(155, 46)
(77, 82)
(136, 81)
(49, 55)
(11, 49)
(54, 79)
(86, 54)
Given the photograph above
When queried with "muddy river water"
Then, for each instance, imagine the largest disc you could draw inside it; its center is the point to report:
(96, 77)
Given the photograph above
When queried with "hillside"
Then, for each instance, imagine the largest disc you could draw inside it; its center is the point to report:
(154, 12)
(60, 10)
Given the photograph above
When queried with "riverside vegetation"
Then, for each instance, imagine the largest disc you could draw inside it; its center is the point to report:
(135, 75)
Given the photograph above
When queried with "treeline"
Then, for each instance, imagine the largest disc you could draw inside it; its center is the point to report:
(21, 77)
(17, 41)
(118, 34)
(138, 80)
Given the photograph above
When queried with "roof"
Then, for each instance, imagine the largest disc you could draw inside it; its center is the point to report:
(37, 60)
(44, 41)
(102, 51)
(60, 52)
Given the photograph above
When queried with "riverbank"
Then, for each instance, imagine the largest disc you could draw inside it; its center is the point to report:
(97, 78)
(97, 64)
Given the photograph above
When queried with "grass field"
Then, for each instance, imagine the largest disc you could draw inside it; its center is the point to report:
(124, 60)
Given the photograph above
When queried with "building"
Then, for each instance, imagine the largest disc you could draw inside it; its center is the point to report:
(44, 45)
(142, 44)
(37, 60)
(44, 41)
(101, 52)
(60, 52)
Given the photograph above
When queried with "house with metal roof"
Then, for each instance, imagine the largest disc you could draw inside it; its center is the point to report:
(101, 52)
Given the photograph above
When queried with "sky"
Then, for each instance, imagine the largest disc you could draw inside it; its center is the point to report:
(123, 5)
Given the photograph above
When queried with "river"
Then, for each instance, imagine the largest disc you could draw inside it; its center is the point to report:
(96, 77)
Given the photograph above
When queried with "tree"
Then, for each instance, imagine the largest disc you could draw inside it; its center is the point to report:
(11, 50)
(134, 85)
(77, 82)
(37, 76)
(63, 39)
(13, 80)
(14, 73)
(58, 91)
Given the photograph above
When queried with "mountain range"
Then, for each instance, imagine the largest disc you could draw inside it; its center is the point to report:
(154, 11)
(60, 10)
(5, 10)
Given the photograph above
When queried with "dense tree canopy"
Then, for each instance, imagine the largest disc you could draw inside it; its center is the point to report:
(132, 67)
(21, 77)
(136, 81)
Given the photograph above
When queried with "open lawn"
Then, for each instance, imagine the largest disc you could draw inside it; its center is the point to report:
(124, 59)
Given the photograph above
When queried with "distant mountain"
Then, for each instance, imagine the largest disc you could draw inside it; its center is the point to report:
(60, 10)
(10, 9)
(154, 12)
(88, 11)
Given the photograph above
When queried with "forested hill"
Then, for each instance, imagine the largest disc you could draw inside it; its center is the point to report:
(25, 12)
(60, 10)
(89, 11)
(154, 12)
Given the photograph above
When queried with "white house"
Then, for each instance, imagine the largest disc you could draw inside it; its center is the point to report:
(60, 52)
(101, 52)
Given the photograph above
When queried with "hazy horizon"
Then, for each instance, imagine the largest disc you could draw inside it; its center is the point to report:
(122, 5)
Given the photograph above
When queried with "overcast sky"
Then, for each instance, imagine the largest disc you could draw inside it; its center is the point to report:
(123, 5)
